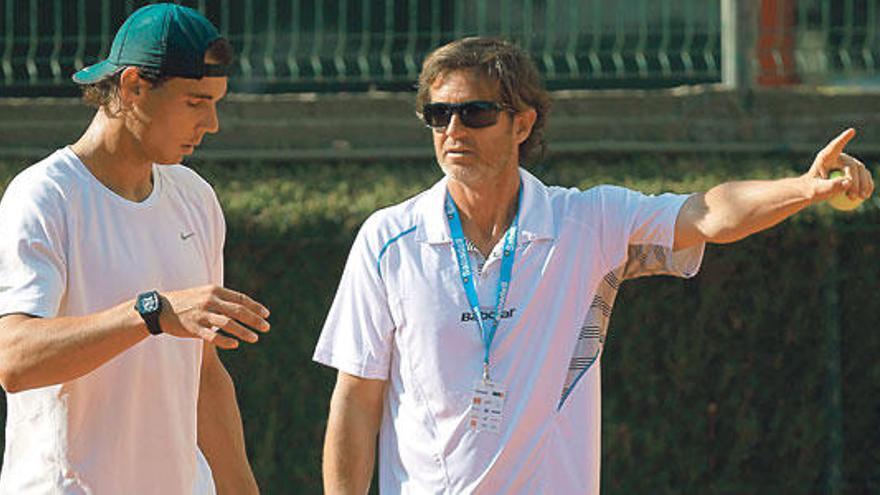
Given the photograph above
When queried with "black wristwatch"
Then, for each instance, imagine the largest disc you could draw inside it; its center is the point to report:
(149, 306)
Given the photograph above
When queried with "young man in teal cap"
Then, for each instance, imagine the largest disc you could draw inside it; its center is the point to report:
(111, 275)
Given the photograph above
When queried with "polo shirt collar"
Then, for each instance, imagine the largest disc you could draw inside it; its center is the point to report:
(536, 219)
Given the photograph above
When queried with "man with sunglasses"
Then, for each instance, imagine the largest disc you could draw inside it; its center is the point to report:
(111, 274)
(469, 322)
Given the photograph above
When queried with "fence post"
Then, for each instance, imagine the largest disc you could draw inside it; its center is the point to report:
(775, 44)
(738, 29)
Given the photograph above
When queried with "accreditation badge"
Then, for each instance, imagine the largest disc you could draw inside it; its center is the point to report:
(487, 406)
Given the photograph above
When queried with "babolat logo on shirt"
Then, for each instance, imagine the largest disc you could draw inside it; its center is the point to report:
(486, 314)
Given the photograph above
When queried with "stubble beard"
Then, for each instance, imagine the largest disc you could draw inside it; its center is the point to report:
(476, 174)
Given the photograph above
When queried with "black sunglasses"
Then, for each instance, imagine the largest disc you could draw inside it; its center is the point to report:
(474, 114)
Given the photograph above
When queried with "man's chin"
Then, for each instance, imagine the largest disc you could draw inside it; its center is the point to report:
(172, 158)
(457, 170)
(471, 176)
(170, 161)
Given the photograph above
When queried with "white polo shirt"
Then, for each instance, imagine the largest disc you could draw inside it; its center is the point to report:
(401, 314)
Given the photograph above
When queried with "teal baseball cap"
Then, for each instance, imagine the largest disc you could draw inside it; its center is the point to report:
(166, 38)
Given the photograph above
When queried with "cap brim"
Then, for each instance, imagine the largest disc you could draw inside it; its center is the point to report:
(95, 73)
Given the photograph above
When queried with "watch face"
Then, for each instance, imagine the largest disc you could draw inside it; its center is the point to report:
(149, 302)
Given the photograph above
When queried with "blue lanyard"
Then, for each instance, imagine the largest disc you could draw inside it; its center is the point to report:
(487, 329)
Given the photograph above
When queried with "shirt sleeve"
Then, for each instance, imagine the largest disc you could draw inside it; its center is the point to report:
(640, 230)
(357, 337)
(33, 268)
(219, 238)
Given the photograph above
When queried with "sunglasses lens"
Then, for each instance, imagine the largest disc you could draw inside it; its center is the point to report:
(474, 114)
(479, 114)
(437, 114)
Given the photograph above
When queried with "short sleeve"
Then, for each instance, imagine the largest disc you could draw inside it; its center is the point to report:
(357, 337)
(639, 230)
(33, 273)
(218, 229)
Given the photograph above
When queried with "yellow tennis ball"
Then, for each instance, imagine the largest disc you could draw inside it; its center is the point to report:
(841, 201)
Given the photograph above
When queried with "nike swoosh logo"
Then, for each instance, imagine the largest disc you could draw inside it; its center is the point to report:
(184, 237)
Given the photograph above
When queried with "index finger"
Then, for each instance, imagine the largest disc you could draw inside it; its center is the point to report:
(836, 146)
(236, 297)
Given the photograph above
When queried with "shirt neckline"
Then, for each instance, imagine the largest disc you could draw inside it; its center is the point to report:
(536, 220)
(109, 193)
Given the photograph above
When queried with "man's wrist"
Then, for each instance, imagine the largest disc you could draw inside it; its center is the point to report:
(808, 190)
(149, 306)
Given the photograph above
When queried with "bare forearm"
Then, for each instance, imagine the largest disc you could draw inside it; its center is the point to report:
(349, 456)
(221, 436)
(37, 352)
(352, 428)
(735, 210)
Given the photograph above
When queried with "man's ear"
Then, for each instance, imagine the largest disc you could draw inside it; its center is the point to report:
(523, 123)
(131, 87)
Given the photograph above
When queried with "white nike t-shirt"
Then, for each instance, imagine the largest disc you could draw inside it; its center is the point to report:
(69, 246)
(402, 315)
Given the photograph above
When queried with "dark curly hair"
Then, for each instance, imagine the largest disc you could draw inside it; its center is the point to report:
(498, 60)
(103, 92)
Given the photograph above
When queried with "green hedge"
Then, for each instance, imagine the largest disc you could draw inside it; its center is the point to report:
(719, 384)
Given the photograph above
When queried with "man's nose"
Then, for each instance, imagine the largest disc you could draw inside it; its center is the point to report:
(455, 126)
(212, 121)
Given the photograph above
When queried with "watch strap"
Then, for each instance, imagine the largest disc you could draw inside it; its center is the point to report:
(153, 325)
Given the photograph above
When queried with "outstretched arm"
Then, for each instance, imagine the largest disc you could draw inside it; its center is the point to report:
(734, 210)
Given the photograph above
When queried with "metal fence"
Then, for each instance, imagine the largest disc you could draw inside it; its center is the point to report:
(295, 45)
(817, 41)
